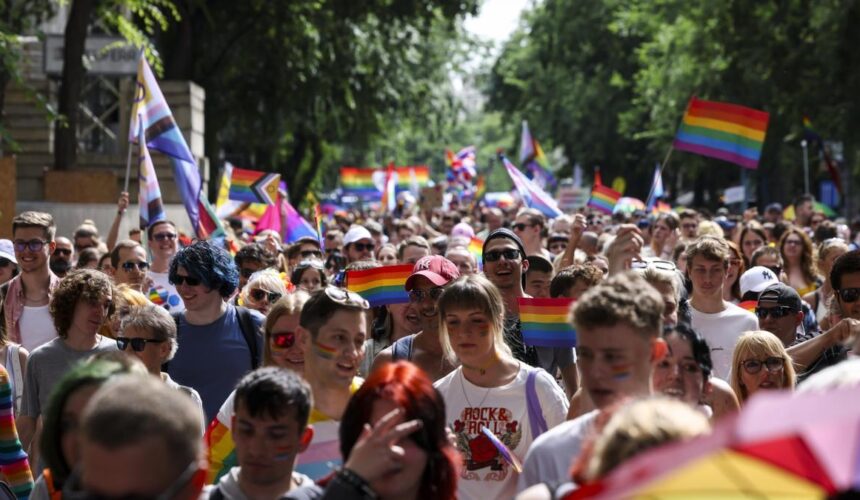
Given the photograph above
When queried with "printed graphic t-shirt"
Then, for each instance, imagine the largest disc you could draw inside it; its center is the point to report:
(504, 411)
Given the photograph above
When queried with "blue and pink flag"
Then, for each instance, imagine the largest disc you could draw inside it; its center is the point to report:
(531, 193)
(534, 160)
(657, 190)
(149, 197)
(297, 226)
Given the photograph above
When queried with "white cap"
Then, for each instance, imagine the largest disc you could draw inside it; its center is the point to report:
(756, 279)
(7, 251)
(356, 233)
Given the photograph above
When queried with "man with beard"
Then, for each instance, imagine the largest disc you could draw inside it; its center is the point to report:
(62, 258)
(429, 277)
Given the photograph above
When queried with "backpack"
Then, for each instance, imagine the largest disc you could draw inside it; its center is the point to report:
(246, 326)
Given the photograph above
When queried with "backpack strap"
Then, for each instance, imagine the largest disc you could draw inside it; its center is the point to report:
(536, 420)
(249, 331)
(401, 349)
(17, 376)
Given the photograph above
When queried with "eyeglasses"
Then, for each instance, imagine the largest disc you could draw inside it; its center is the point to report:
(343, 297)
(63, 251)
(772, 364)
(361, 247)
(131, 265)
(283, 340)
(773, 312)
(164, 236)
(179, 280)
(137, 343)
(4, 262)
(508, 254)
(849, 294)
(420, 295)
(33, 245)
(521, 226)
(311, 253)
(259, 294)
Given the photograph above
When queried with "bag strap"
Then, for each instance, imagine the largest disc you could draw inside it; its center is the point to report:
(536, 420)
(249, 331)
(18, 376)
(402, 349)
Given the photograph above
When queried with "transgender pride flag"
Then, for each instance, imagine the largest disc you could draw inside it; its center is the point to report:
(531, 193)
(149, 198)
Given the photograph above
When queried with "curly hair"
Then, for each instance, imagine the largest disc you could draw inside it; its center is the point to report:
(807, 258)
(81, 284)
(255, 252)
(211, 264)
(625, 298)
(567, 277)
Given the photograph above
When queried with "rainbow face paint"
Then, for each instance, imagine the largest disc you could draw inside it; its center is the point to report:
(324, 351)
(621, 372)
(283, 453)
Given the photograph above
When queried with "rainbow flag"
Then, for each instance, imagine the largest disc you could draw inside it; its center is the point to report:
(360, 181)
(724, 131)
(382, 285)
(318, 218)
(531, 193)
(748, 305)
(476, 248)
(253, 186)
(603, 198)
(661, 207)
(389, 201)
(545, 323)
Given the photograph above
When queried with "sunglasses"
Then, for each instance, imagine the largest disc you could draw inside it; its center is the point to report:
(342, 296)
(283, 340)
(361, 247)
(137, 343)
(164, 236)
(311, 253)
(521, 226)
(849, 294)
(420, 295)
(772, 364)
(773, 312)
(130, 266)
(32, 245)
(4, 262)
(179, 280)
(259, 294)
(495, 255)
(63, 251)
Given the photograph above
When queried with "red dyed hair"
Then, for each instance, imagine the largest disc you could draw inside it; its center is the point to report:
(408, 387)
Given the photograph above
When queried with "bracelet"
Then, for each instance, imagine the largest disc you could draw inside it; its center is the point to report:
(357, 482)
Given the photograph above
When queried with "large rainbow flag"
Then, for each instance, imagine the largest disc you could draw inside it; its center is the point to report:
(359, 181)
(545, 323)
(603, 198)
(724, 131)
(381, 285)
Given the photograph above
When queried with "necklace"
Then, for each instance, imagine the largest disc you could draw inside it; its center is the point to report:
(482, 370)
(463, 387)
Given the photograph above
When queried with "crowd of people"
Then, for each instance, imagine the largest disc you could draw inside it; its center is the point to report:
(161, 367)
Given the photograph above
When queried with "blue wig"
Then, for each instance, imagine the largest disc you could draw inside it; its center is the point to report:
(209, 263)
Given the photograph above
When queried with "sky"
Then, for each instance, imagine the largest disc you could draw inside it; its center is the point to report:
(496, 19)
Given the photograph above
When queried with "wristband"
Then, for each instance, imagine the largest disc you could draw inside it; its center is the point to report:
(357, 482)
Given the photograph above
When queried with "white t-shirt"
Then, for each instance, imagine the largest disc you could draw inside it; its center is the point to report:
(37, 327)
(551, 455)
(162, 293)
(721, 330)
(504, 411)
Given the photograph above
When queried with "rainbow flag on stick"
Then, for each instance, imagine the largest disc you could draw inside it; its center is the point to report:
(603, 198)
(253, 186)
(724, 131)
(382, 285)
(476, 248)
(545, 323)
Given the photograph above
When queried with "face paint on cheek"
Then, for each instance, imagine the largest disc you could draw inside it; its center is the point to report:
(621, 371)
(324, 351)
(283, 453)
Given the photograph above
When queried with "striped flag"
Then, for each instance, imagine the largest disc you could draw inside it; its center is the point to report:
(381, 285)
(297, 226)
(476, 248)
(656, 188)
(531, 193)
(545, 322)
(149, 197)
(603, 198)
(389, 202)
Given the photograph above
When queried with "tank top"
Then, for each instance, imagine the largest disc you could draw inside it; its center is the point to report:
(401, 349)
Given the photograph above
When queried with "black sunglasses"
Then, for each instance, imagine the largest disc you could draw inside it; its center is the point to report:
(259, 294)
(129, 266)
(164, 236)
(63, 251)
(849, 295)
(508, 254)
(420, 295)
(179, 280)
(772, 364)
(361, 247)
(521, 226)
(137, 343)
(773, 312)
(33, 245)
(311, 253)
(283, 340)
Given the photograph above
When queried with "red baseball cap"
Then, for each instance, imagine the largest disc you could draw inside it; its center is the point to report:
(439, 270)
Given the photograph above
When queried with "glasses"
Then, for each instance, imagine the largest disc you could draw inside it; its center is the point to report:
(259, 294)
(137, 343)
(495, 255)
(32, 245)
(283, 340)
(343, 297)
(521, 226)
(772, 364)
(4, 262)
(179, 280)
(361, 247)
(311, 253)
(65, 252)
(773, 312)
(420, 295)
(131, 265)
(793, 242)
(164, 236)
(849, 295)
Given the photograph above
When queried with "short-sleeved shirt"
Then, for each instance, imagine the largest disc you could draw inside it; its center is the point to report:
(212, 358)
(47, 365)
(550, 456)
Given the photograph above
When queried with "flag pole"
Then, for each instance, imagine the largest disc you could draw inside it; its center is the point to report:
(128, 159)
(660, 172)
(804, 145)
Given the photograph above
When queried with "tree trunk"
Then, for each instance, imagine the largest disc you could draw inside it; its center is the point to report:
(69, 94)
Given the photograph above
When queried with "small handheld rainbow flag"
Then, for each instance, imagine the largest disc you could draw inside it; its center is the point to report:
(382, 285)
(603, 198)
(748, 305)
(544, 322)
(318, 223)
(503, 450)
(724, 131)
(476, 248)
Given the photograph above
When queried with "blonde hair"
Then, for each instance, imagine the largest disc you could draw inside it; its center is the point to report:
(289, 305)
(267, 279)
(759, 344)
(656, 276)
(640, 426)
(473, 291)
(126, 297)
(710, 228)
